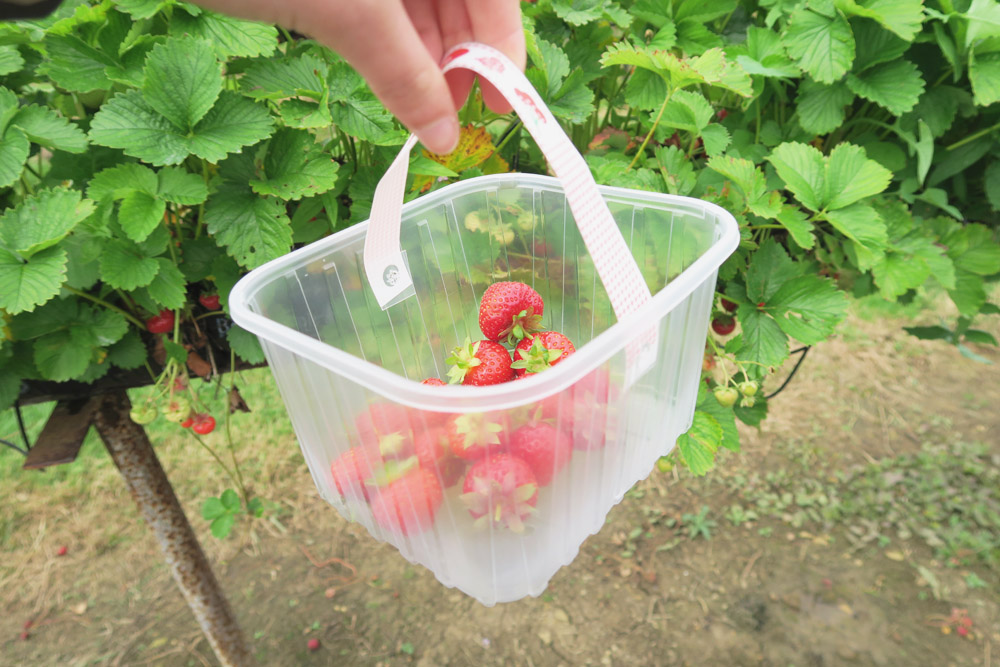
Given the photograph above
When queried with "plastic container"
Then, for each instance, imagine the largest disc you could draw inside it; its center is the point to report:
(349, 371)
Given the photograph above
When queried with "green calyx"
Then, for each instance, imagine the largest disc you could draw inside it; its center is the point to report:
(462, 360)
(522, 325)
(390, 472)
(537, 358)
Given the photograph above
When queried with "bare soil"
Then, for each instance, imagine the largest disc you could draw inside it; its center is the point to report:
(763, 593)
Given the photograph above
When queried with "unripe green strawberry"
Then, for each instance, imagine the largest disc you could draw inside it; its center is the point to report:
(748, 402)
(726, 396)
(748, 388)
(177, 409)
(143, 414)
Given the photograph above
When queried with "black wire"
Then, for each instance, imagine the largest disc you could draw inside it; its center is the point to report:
(24, 431)
(14, 447)
(804, 350)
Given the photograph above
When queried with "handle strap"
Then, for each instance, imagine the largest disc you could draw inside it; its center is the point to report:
(613, 261)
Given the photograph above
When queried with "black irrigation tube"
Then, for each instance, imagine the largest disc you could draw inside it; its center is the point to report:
(802, 351)
(17, 449)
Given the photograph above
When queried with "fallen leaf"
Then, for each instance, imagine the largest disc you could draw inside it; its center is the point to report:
(158, 642)
(894, 555)
(79, 609)
(545, 636)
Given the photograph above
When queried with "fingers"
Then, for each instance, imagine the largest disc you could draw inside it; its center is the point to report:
(498, 23)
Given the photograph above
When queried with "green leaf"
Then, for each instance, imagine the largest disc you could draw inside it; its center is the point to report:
(10, 388)
(798, 225)
(129, 352)
(930, 333)
(128, 123)
(125, 266)
(74, 65)
(699, 444)
(230, 500)
(903, 17)
(222, 526)
(14, 151)
(897, 273)
(168, 288)
(984, 74)
(42, 220)
(821, 45)
(179, 186)
(724, 416)
(183, 80)
(896, 86)
(983, 17)
(45, 127)
(851, 176)
(304, 115)
(421, 165)
(980, 337)
(716, 139)
(212, 508)
(808, 308)
(30, 283)
(694, 37)
(875, 45)
(139, 214)
(821, 108)
(574, 101)
(141, 9)
(10, 59)
(666, 37)
(231, 37)
(246, 345)
(862, 224)
(555, 64)
(295, 167)
(287, 77)
(938, 107)
(974, 250)
(578, 12)
(688, 111)
(117, 182)
(367, 119)
(762, 340)
(59, 357)
(957, 161)
(770, 269)
(991, 184)
(175, 351)
(968, 294)
(253, 229)
(717, 71)
(766, 55)
(801, 167)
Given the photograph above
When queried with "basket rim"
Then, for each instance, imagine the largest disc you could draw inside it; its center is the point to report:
(459, 398)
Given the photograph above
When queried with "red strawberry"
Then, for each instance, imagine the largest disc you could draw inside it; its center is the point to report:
(313, 644)
(433, 451)
(351, 469)
(510, 311)
(724, 325)
(434, 382)
(728, 305)
(161, 323)
(584, 410)
(209, 301)
(543, 447)
(481, 363)
(541, 351)
(474, 435)
(408, 505)
(500, 490)
(385, 429)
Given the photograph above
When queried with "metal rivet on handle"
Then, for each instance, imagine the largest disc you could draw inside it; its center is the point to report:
(391, 275)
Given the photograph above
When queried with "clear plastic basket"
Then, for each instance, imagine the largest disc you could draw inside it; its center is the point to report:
(349, 371)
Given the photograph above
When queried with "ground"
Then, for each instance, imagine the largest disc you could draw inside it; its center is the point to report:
(791, 553)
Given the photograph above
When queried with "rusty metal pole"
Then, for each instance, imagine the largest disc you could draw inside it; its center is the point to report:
(130, 449)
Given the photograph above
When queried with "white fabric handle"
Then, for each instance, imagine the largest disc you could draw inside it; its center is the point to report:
(385, 266)
(387, 272)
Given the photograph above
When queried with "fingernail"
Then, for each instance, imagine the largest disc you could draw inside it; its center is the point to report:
(441, 136)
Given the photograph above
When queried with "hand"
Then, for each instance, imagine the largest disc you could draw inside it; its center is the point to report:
(396, 45)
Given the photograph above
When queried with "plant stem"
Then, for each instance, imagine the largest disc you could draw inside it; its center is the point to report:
(649, 134)
(201, 207)
(211, 314)
(972, 137)
(229, 433)
(216, 457)
(101, 302)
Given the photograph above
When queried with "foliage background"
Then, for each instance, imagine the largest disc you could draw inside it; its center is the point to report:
(152, 152)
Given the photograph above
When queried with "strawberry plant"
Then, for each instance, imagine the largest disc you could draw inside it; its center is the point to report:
(152, 153)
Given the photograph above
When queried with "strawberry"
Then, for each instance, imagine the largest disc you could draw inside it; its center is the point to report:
(726, 396)
(408, 505)
(313, 644)
(351, 470)
(540, 351)
(161, 323)
(481, 363)
(724, 325)
(385, 429)
(584, 411)
(475, 435)
(209, 301)
(501, 491)
(509, 311)
(433, 451)
(543, 447)
(434, 382)
(728, 305)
